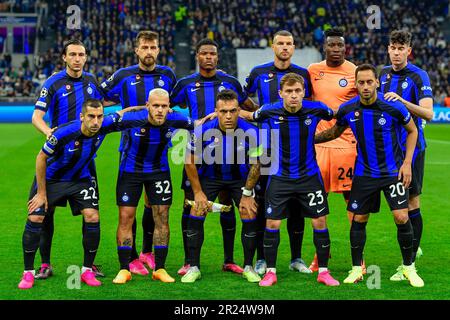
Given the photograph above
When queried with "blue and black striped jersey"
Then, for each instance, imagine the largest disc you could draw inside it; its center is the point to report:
(199, 93)
(412, 84)
(377, 129)
(70, 151)
(292, 136)
(225, 155)
(62, 96)
(265, 80)
(146, 150)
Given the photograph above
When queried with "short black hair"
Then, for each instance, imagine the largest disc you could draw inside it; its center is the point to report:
(401, 37)
(92, 103)
(226, 95)
(205, 42)
(334, 32)
(366, 66)
(72, 41)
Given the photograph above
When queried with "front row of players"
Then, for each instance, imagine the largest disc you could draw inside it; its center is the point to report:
(228, 153)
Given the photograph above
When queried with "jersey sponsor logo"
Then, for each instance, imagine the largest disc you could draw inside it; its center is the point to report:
(382, 121)
(44, 92)
(404, 85)
(104, 85)
(426, 88)
(343, 82)
(161, 82)
(408, 117)
(89, 90)
(41, 104)
(135, 83)
(53, 140)
(67, 93)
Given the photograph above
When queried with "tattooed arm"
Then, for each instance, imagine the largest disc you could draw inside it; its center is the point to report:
(329, 134)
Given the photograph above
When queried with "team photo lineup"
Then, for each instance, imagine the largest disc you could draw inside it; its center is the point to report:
(263, 155)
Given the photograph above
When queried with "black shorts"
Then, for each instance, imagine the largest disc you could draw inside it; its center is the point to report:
(418, 167)
(365, 194)
(211, 188)
(81, 194)
(94, 179)
(158, 187)
(308, 192)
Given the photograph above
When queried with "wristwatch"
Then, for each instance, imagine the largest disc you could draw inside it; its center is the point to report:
(248, 193)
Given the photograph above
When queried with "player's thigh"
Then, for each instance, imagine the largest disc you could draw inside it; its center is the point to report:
(278, 194)
(82, 195)
(211, 188)
(323, 160)
(159, 189)
(418, 169)
(364, 195)
(128, 189)
(396, 194)
(341, 169)
(313, 202)
(94, 178)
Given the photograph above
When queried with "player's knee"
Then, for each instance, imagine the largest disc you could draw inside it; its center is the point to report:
(273, 224)
(36, 218)
(319, 223)
(401, 217)
(127, 215)
(414, 202)
(90, 215)
(361, 218)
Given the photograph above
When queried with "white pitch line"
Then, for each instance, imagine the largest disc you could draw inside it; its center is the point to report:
(438, 163)
(438, 141)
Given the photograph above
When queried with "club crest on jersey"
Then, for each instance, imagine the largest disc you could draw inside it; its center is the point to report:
(97, 142)
(269, 210)
(354, 205)
(321, 74)
(125, 197)
(308, 121)
(89, 90)
(168, 134)
(44, 92)
(404, 85)
(161, 82)
(221, 88)
(382, 121)
(343, 82)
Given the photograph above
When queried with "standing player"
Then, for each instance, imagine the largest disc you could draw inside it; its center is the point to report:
(130, 86)
(407, 83)
(198, 92)
(63, 174)
(265, 80)
(333, 83)
(62, 96)
(221, 146)
(380, 165)
(297, 175)
(144, 163)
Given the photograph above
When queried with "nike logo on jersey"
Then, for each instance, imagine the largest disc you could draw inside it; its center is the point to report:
(135, 83)
(194, 89)
(384, 82)
(353, 120)
(268, 80)
(66, 94)
(139, 134)
(278, 122)
(346, 185)
(95, 204)
(400, 202)
(73, 150)
(165, 199)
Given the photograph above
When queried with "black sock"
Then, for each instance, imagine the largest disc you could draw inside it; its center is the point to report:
(194, 236)
(30, 243)
(228, 224)
(357, 241)
(148, 226)
(322, 243)
(405, 240)
(160, 256)
(45, 244)
(91, 240)
(124, 253)
(261, 227)
(134, 254)
(417, 224)
(271, 243)
(184, 226)
(248, 238)
(296, 227)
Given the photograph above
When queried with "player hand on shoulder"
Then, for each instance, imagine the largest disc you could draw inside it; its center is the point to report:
(404, 174)
(201, 204)
(38, 201)
(49, 132)
(392, 96)
(201, 121)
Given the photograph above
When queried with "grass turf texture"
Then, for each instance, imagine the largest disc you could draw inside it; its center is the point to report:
(20, 144)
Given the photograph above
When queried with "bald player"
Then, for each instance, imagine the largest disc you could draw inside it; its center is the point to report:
(333, 83)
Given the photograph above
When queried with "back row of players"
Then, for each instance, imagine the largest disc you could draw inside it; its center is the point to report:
(385, 153)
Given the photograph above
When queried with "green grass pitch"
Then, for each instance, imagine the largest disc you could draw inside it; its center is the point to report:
(21, 142)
